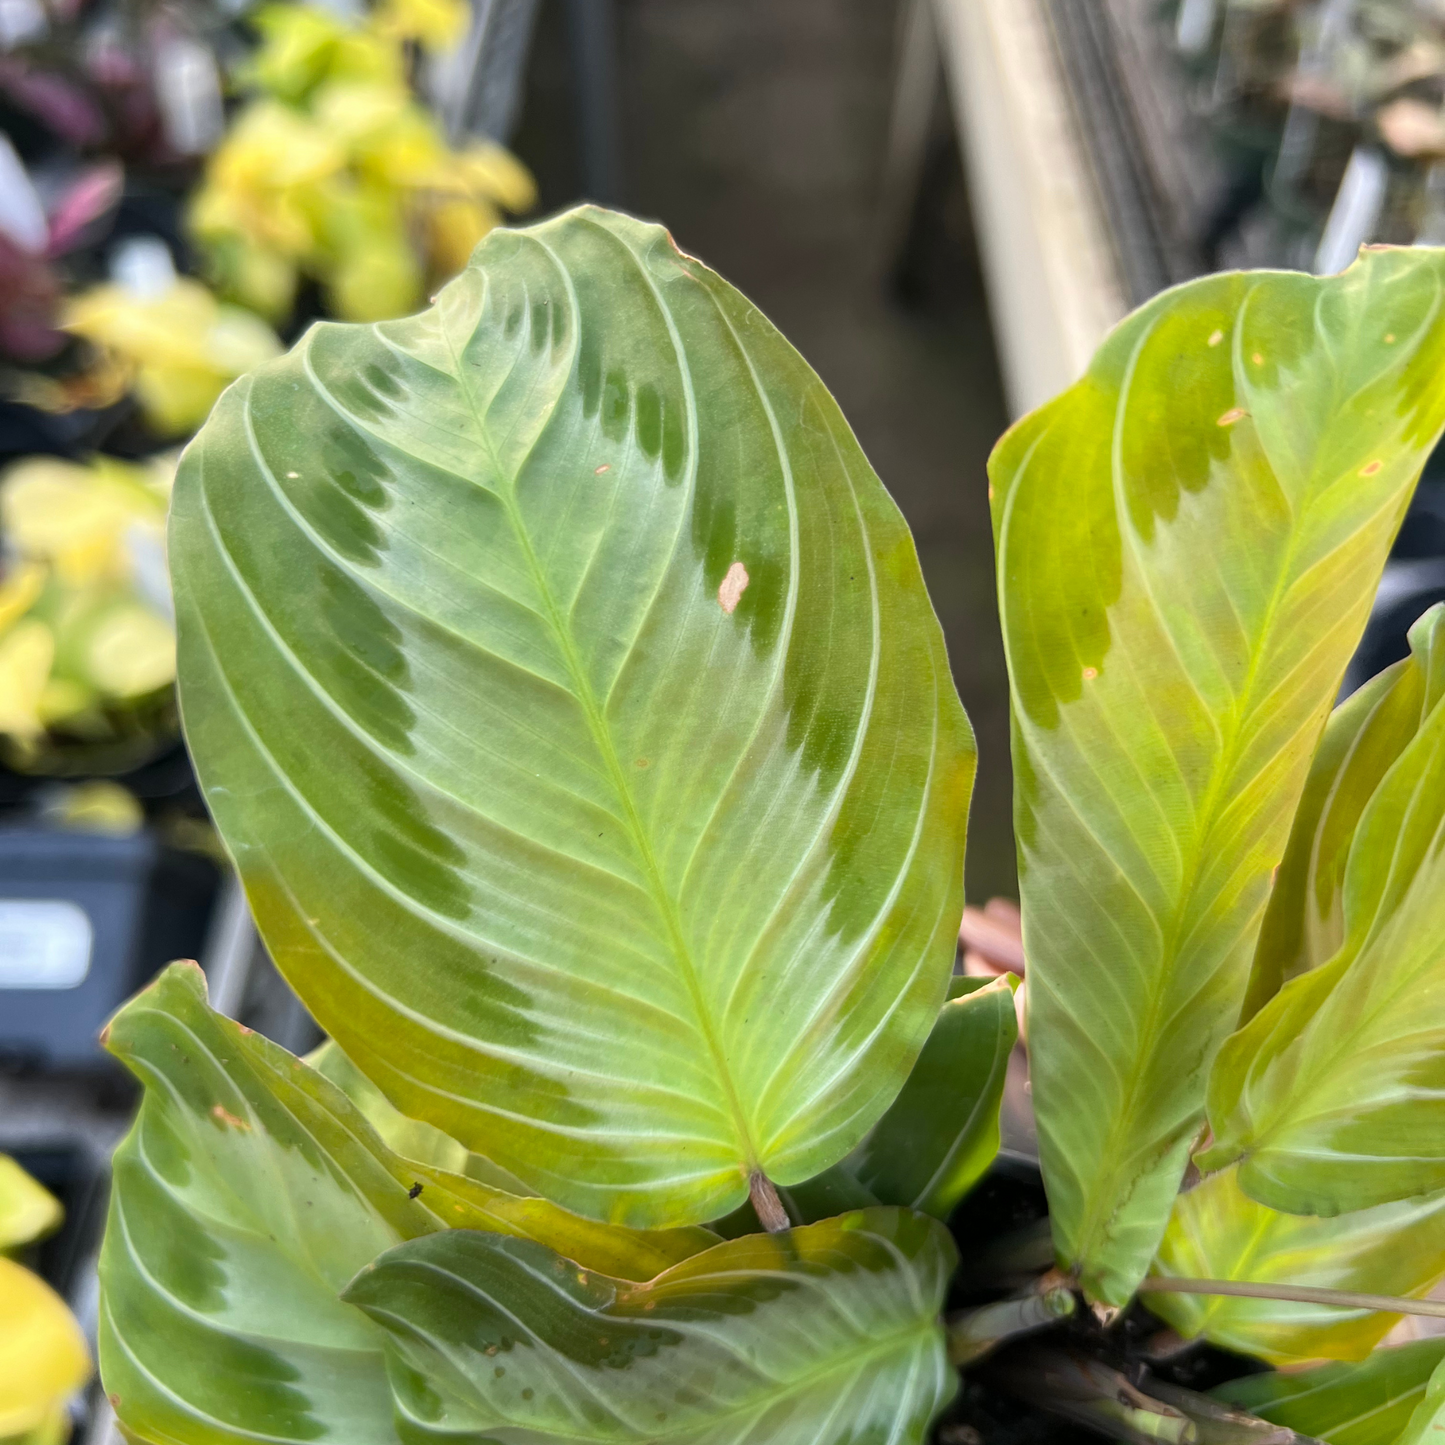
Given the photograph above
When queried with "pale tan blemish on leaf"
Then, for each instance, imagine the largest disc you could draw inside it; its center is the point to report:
(293, 476)
(1215, 337)
(642, 763)
(1370, 468)
(1389, 338)
(605, 467)
(1090, 673)
(1231, 416)
(733, 586)
(1257, 359)
(224, 1115)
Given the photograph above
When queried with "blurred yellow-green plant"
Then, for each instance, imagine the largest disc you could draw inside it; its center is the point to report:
(43, 1356)
(178, 348)
(333, 171)
(87, 642)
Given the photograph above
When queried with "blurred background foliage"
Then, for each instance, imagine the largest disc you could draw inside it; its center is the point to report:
(182, 190)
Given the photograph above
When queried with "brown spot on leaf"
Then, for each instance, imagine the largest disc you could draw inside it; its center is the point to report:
(605, 467)
(1370, 468)
(224, 1116)
(1215, 337)
(732, 588)
(1231, 416)
(1090, 673)
(641, 763)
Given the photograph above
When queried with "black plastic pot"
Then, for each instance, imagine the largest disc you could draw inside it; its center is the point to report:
(85, 920)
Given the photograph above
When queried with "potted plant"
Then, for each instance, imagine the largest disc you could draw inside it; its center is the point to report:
(563, 683)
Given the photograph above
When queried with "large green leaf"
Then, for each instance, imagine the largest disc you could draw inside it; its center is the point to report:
(563, 682)
(248, 1193)
(1189, 539)
(1304, 926)
(1365, 1404)
(823, 1334)
(942, 1131)
(1218, 1232)
(1333, 1096)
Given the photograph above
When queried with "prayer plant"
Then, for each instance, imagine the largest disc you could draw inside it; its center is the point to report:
(564, 685)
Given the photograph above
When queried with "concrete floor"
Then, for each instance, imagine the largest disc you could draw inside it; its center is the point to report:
(755, 130)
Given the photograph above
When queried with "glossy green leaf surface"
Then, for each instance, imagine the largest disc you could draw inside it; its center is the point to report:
(1218, 1232)
(411, 1138)
(1369, 1403)
(248, 1193)
(563, 682)
(1331, 1096)
(1189, 540)
(939, 1135)
(942, 1131)
(1427, 1423)
(1304, 926)
(823, 1334)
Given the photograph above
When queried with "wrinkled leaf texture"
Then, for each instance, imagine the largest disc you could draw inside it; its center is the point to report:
(247, 1194)
(1218, 1232)
(1189, 540)
(1333, 1096)
(824, 1334)
(563, 682)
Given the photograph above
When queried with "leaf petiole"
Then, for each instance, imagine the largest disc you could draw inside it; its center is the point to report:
(1300, 1294)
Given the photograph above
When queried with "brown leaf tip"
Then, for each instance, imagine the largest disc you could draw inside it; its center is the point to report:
(732, 588)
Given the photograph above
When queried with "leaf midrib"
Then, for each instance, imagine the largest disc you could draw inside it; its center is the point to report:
(596, 724)
(1096, 1223)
